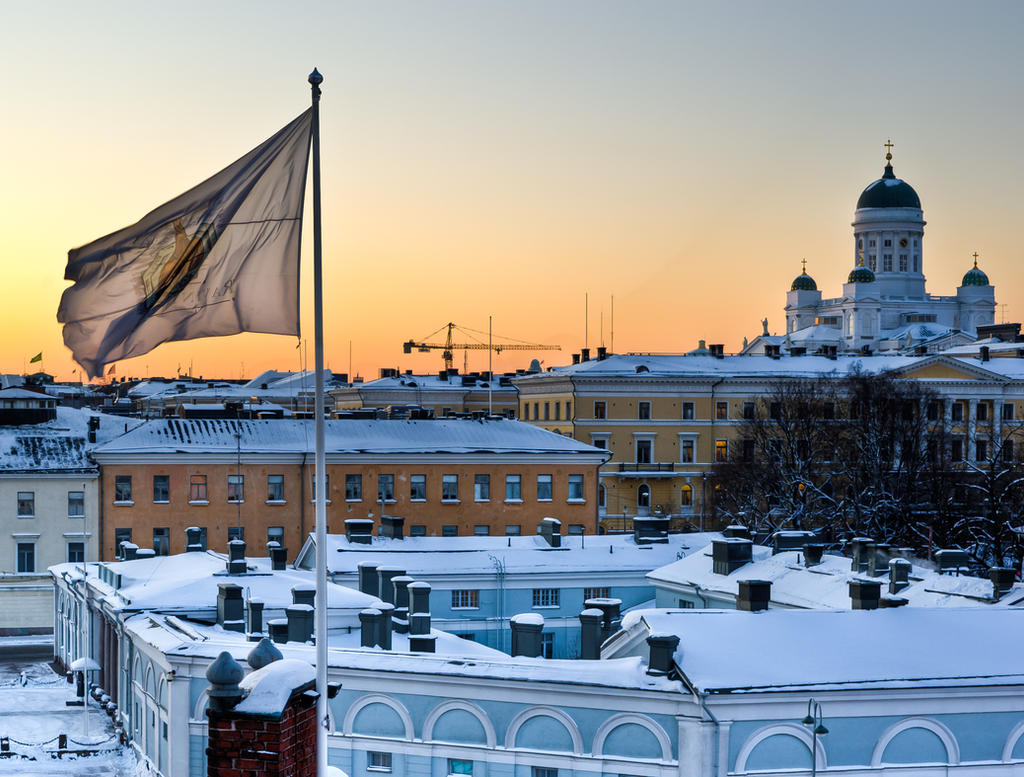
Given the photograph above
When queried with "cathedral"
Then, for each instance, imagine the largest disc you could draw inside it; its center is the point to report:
(884, 306)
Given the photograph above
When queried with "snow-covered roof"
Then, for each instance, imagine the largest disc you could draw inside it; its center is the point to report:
(20, 393)
(432, 382)
(826, 585)
(352, 436)
(525, 555)
(60, 445)
(267, 690)
(724, 651)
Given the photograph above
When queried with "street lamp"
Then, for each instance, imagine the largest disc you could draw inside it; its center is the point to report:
(816, 722)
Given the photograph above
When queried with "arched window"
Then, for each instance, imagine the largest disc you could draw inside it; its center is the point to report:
(643, 496)
(686, 495)
(600, 496)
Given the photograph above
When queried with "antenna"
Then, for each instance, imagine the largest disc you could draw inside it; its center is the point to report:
(611, 343)
(586, 315)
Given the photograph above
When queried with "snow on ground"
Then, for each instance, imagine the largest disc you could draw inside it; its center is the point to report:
(37, 694)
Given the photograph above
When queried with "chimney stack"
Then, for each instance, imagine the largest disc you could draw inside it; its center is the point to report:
(951, 560)
(401, 616)
(254, 609)
(790, 540)
(300, 622)
(392, 526)
(277, 629)
(369, 626)
(717, 350)
(650, 530)
(420, 638)
(304, 594)
(584, 354)
(878, 558)
(526, 633)
(662, 649)
(602, 353)
(278, 556)
(575, 358)
(1002, 579)
(236, 557)
(129, 551)
(812, 554)
(359, 530)
(611, 610)
(864, 594)
(730, 554)
(385, 625)
(859, 553)
(590, 633)
(387, 586)
(754, 595)
(230, 613)
(369, 581)
(551, 531)
(736, 531)
(899, 575)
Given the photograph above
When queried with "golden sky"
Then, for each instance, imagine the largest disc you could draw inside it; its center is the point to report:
(505, 158)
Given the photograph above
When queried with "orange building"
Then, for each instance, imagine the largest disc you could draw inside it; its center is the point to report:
(254, 480)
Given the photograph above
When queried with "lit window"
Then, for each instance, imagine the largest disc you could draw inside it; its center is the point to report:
(545, 597)
(513, 488)
(197, 488)
(123, 488)
(465, 599)
(76, 504)
(385, 488)
(418, 488)
(449, 488)
(686, 495)
(721, 410)
(161, 488)
(236, 488)
(600, 410)
(575, 488)
(543, 488)
(721, 450)
(482, 488)
(275, 488)
(26, 504)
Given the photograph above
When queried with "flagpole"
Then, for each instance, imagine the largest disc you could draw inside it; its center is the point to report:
(320, 460)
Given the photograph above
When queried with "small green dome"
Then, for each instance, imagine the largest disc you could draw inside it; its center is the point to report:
(861, 274)
(803, 282)
(975, 277)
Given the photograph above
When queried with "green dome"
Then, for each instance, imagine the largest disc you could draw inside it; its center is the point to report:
(975, 277)
(889, 192)
(803, 282)
(861, 274)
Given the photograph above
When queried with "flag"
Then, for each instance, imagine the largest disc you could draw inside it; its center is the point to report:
(221, 258)
(37, 358)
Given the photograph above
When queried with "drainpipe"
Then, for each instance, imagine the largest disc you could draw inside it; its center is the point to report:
(302, 497)
(702, 698)
(696, 590)
(99, 540)
(704, 476)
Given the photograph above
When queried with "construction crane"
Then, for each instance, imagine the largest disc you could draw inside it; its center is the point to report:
(448, 347)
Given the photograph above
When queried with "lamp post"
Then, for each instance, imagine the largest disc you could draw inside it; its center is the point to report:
(816, 722)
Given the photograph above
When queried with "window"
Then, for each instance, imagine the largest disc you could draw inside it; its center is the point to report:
(465, 598)
(513, 488)
(748, 450)
(873, 262)
(543, 488)
(904, 261)
(685, 604)
(887, 243)
(1008, 411)
(327, 488)
(197, 489)
(687, 411)
(917, 263)
(775, 411)
(26, 557)
(558, 411)
(547, 650)
(643, 410)
(161, 489)
(275, 534)
(76, 504)
(686, 495)
(121, 535)
(536, 411)
(600, 410)
(123, 488)
(449, 531)
(236, 488)
(275, 488)
(575, 488)
(385, 488)
(602, 592)
(886, 262)
(162, 541)
(981, 450)
(377, 761)
(957, 450)
(643, 497)
(526, 411)
(417, 530)
(748, 411)
(721, 450)
(482, 488)
(981, 411)
(76, 552)
(449, 488)
(481, 530)
(513, 530)
(577, 529)
(26, 504)
(353, 488)
(958, 411)
(599, 442)
(418, 488)
(543, 771)
(686, 449)
(457, 767)
(568, 409)
(871, 243)
(644, 452)
(1007, 450)
(545, 597)
(721, 410)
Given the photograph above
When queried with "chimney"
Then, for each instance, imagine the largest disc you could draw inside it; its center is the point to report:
(812, 554)
(797, 350)
(129, 551)
(717, 350)
(899, 575)
(651, 529)
(754, 595)
(254, 608)
(984, 353)
(864, 594)
(878, 559)
(385, 625)
(369, 580)
(662, 649)
(401, 616)
(790, 540)
(193, 539)
(551, 531)
(224, 674)
(359, 530)
(736, 531)
(145, 553)
(1002, 579)
(590, 633)
(230, 607)
(888, 601)
(575, 358)
(602, 353)
(278, 556)
(369, 626)
(951, 560)
(387, 587)
(304, 594)
(728, 555)
(300, 622)
(584, 354)
(277, 629)
(526, 631)
(263, 654)
(236, 557)
(859, 553)
(611, 610)
(94, 425)
(420, 639)
(392, 526)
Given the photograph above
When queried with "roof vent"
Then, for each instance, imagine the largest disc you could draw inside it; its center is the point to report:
(641, 368)
(551, 531)
(899, 575)
(1002, 579)
(526, 634)
(728, 555)
(662, 649)
(864, 594)
(754, 595)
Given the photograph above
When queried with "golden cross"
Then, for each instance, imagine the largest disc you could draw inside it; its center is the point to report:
(888, 148)
(975, 255)
(805, 266)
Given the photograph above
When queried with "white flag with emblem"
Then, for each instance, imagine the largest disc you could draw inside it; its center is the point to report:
(222, 258)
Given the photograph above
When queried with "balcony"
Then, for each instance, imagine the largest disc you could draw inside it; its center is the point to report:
(645, 470)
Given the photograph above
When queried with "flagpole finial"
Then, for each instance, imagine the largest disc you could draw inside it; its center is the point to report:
(315, 78)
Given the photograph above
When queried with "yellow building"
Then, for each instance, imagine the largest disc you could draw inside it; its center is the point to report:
(445, 393)
(668, 419)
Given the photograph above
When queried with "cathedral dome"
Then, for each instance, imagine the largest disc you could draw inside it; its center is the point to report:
(861, 274)
(889, 192)
(803, 282)
(975, 277)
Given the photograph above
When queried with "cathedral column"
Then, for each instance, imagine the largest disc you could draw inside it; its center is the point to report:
(997, 427)
(972, 429)
(947, 426)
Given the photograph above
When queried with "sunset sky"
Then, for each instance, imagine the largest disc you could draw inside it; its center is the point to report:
(505, 158)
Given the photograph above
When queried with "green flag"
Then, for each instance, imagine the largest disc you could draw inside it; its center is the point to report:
(37, 358)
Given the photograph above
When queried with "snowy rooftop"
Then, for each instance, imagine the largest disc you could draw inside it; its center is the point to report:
(524, 555)
(784, 650)
(60, 445)
(825, 586)
(347, 436)
(432, 382)
(188, 582)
